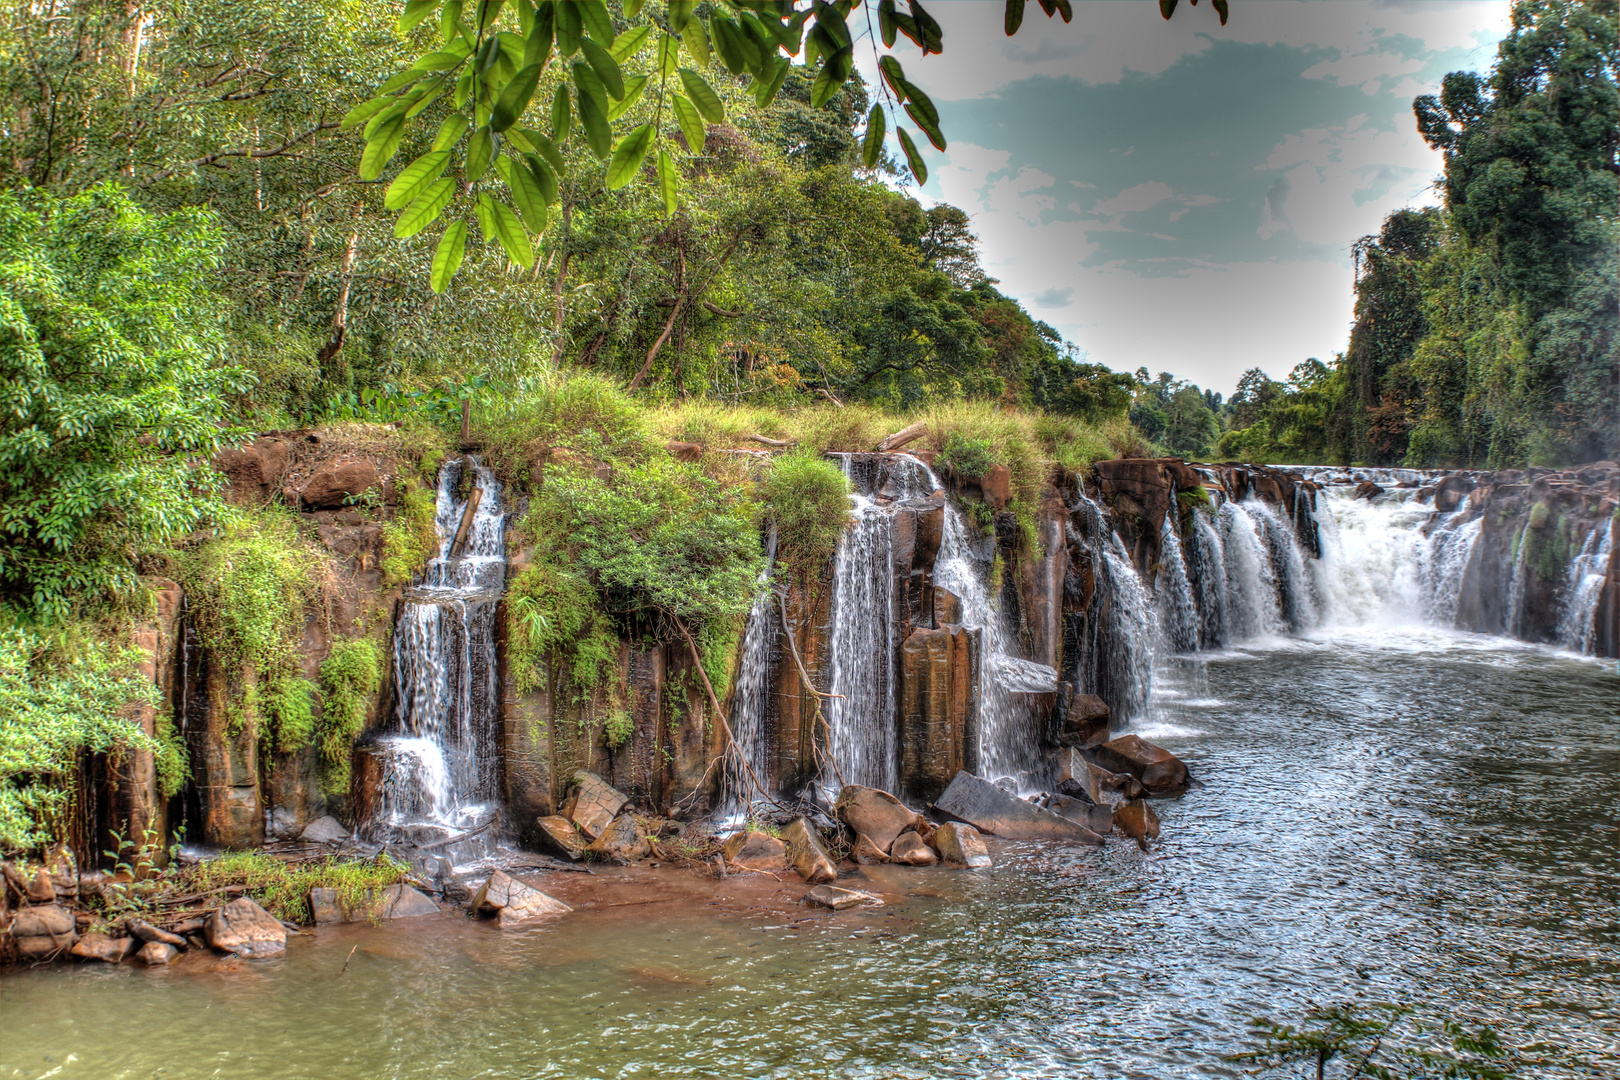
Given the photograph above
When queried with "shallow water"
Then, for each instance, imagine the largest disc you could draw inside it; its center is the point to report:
(1401, 814)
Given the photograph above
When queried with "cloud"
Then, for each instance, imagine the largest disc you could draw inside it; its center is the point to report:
(1054, 298)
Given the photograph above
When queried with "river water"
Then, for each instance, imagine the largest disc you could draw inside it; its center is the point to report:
(1390, 814)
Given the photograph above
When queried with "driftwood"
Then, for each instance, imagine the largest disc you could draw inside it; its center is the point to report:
(467, 516)
(780, 444)
(907, 434)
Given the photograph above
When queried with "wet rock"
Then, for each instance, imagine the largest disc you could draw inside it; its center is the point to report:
(910, 849)
(997, 486)
(755, 850)
(324, 830)
(331, 487)
(43, 931)
(40, 889)
(806, 854)
(144, 931)
(246, 929)
(867, 853)
(1099, 819)
(830, 896)
(1160, 771)
(1367, 490)
(877, 815)
(1085, 721)
(109, 950)
(992, 810)
(623, 841)
(559, 834)
(962, 844)
(1137, 820)
(594, 804)
(156, 953)
(513, 902)
(400, 902)
(324, 906)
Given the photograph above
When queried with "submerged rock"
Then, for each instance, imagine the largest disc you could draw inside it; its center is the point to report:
(962, 844)
(246, 929)
(43, 930)
(594, 804)
(512, 901)
(830, 896)
(399, 902)
(910, 849)
(623, 841)
(1160, 771)
(558, 832)
(754, 850)
(992, 810)
(156, 953)
(1137, 820)
(806, 854)
(324, 830)
(110, 950)
(876, 814)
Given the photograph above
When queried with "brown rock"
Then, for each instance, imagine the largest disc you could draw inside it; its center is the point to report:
(997, 486)
(877, 815)
(976, 800)
(512, 901)
(909, 849)
(324, 906)
(144, 931)
(685, 451)
(40, 889)
(43, 931)
(559, 833)
(623, 841)
(331, 487)
(108, 950)
(254, 471)
(830, 896)
(594, 804)
(806, 854)
(755, 851)
(962, 844)
(156, 953)
(399, 902)
(246, 929)
(938, 707)
(1367, 490)
(1085, 722)
(1160, 771)
(867, 853)
(1137, 820)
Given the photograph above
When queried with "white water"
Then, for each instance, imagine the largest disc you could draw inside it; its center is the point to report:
(1577, 622)
(750, 697)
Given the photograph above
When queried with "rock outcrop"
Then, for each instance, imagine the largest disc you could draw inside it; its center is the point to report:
(246, 929)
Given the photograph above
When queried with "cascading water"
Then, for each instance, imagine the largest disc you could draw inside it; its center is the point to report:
(1577, 622)
(750, 697)
(441, 769)
(1178, 609)
(1253, 609)
(1114, 657)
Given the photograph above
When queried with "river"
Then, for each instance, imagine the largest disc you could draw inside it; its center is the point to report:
(1389, 813)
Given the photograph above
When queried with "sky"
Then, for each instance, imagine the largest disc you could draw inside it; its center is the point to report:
(1179, 195)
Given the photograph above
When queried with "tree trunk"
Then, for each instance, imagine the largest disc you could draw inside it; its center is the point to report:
(340, 316)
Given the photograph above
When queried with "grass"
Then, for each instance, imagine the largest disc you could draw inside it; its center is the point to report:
(282, 888)
(409, 539)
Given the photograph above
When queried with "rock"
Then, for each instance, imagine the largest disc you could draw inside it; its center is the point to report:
(867, 853)
(831, 896)
(558, 833)
(156, 953)
(1137, 820)
(997, 486)
(877, 815)
(1160, 771)
(246, 929)
(755, 851)
(324, 830)
(594, 804)
(400, 902)
(109, 950)
(910, 849)
(624, 840)
(43, 931)
(254, 471)
(40, 889)
(512, 902)
(1367, 490)
(992, 810)
(144, 931)
(330, 488)
(324, 907)
(806, 854)
(1099, 819)
(962, 844)
(1085, 722)
(685, 451)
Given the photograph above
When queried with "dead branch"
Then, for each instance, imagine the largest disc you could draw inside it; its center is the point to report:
(910, 433)
(824, 392)
(804, 676)
(244, 152)
(780, 444)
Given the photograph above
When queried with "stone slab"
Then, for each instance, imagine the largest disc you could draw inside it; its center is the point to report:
(985, 806)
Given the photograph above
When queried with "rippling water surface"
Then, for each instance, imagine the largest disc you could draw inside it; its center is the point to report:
(1401, 815)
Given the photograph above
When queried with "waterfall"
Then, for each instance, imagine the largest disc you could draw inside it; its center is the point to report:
(750, 695)
(441, 766)
(1178, 610)
(1209, 576)
(1577, 621)
(1114, 658)
(1514, 615)
(1253, 609)
(1295, 602)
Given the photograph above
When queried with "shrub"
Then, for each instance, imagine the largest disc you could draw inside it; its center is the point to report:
(410, 539)
(282, 888)
(289, 706)
(553, 608)
(350, 676)
(246, 589)
(585, 412)
(969, 458)
(807, 499)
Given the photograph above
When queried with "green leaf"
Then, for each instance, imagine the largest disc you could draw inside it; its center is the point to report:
(629, 43)
(487, 12)
(696, 40)
(594, 17)
(381, 148)
(525, 12)
(886, 23)
(562, 117)
(765, 91)
(414, 177)
(831, 22)
(668, 182)
(680, 13)
(450, 27)
(365, 111)
(1221, 9)
(894, 75)
(548, 150)
(728, 41)
(935, 136)
(632, 8)
(404, 78)
(510, 232)
(933, 38)
(834, 73)
(921, 101)
(703, 96)
(450, 132)
(464, 87)
(877, 127)
(415, 12)
(592, 110)
(568, 27)
(1014, 17)
(606, 68)
(484, 210)
(527, 197)
(425, 209)
(537, 45)
(543, 176)
(396, 111)
(480, 151)
(669, 55)
(918, 169)
(633, 89)
(628, 156)
(515, 98)
(443, 60)
(447, 256)
(686, 115)
(1167, 8)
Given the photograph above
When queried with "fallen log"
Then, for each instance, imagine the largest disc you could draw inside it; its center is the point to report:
(910, 433)
(780, 444)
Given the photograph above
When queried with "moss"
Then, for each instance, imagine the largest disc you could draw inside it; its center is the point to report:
(807, 499)
(717, 642)
(617, 727)
(1539, 514)
(350, 676)
(173, 765)
(552, 609)
(410, 539)
(1190, 502)
(246, 590)
(289, 707)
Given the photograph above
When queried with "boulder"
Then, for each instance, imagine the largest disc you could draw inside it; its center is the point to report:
(806, 854)
(877, 815)
(831, 896)
(755, 850)
(867, 853)
(624, 840)
(324, 906)
(594, 804)
(324, 830)
(43, 931)
(332, 487)
(253, 472)
(997, 486)
(40, 889)
(559, 834)
(399, 902)
(962, 844)
(1099, 819)
(512, 901)
(1137, 820)
(109, 950)
(156, 953)
(988, 808)
(1160, 771)
(246, 929)
(144, 931)
(1085, 721)
(910, 849)
(1367, 490)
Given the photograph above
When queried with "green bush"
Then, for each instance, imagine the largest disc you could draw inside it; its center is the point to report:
(967, 457)
(282, 888)
(410, 538)
(350, 675)
(246, 590)
(551, 608)
(586, 413)
(807, 499)
(289, 706)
